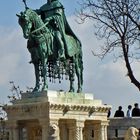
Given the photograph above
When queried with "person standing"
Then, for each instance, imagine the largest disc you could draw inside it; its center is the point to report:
(109, 113)
(129, 113)
(136, 110)
(119, 112)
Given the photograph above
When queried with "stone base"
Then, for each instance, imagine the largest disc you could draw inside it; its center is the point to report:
(33, 95)
(57, 116)
(72, 98)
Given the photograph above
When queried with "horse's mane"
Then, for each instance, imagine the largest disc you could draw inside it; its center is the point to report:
(33, 17)
(28, 14)
(31, 13)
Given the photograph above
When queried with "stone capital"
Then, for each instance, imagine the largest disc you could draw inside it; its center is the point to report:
(104, 123)
(54, 121)
(80, 124)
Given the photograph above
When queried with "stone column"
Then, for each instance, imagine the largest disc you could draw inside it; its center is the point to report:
(79, 130)
(63, 133)
(104, 131)
(101, 130)
(44, 132)
(88, 131)
(14, 131)
(45, 129)
(79, 134)
(10, 135)
(71, 134)
(76, 131)
(85, 133)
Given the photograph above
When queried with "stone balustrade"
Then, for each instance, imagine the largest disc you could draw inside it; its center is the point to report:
(118, 126)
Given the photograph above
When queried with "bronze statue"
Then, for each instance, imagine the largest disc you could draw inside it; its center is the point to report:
(55, 50)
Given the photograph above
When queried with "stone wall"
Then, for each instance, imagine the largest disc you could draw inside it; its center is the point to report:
(118, 126)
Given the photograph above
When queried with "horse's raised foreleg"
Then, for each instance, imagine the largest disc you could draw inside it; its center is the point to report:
(37, 84)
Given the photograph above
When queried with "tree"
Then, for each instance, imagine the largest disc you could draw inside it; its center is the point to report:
(117, 22)
(3, 118)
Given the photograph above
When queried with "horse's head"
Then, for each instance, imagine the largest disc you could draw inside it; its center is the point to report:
(26, 22)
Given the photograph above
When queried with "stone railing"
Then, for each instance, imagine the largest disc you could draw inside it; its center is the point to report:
(118, 126)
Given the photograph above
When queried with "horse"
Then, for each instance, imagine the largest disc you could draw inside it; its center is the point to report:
(44, 53)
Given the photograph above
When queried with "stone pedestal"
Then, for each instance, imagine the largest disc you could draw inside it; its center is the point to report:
(57, 116)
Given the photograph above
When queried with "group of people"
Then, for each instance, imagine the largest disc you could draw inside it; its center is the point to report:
(135, 112)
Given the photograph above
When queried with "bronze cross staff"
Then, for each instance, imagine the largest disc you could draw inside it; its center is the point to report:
(25, 4)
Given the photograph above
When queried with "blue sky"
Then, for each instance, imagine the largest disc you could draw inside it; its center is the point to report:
(105, 79)
(8, 9)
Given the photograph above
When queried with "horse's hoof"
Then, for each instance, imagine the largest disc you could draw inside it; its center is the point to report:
(35, 90)
(45, 89)
(79, 91)
(71, 90)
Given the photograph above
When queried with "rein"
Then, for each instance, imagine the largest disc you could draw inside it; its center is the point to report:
(39, 28)
(31, 14)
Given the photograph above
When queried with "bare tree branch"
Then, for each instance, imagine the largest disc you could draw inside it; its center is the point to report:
(118, 23)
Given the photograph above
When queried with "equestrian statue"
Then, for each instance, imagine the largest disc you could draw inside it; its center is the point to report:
(55, 50)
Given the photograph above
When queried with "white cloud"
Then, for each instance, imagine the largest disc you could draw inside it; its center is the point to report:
(13, 58)
(8, 67)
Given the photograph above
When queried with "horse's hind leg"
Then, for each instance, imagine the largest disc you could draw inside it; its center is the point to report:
(79, 73)
(37, 84)
(44, 74)
(71, 77)
(71, 85)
